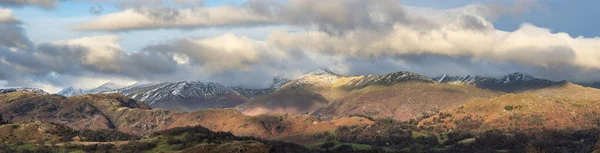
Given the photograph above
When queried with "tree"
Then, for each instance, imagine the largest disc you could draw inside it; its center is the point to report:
(327, 145)
(2, 122)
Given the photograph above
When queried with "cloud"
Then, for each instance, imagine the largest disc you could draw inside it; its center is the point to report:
(351, 37)
(156, 18)
(331, 16)
(227, 52)
(124, 4)
(335, 16)
(7, 17)
(459, 32)
(47, 4)
(12, 36)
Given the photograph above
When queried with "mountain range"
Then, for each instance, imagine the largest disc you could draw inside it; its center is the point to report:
(195, 95)
(400, 111)
(182, 95)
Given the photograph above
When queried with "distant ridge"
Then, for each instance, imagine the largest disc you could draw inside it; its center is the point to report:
(72, 91)
(181, 95)
(328, 95)
(514, 82)
(9, 90)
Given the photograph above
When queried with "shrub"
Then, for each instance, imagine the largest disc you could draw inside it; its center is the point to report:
(508, 107)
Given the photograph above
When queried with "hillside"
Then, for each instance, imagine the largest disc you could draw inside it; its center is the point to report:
(276, 126)
(518, 112)
(114, 111)
(115, 122)
(399, 95)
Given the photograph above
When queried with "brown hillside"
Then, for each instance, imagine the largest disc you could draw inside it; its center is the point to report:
(517, 112)
(30, 107)
(114, 111)
(568, 91)
(264, 126)
(86, 112)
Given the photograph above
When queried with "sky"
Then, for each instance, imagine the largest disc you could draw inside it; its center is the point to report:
(53, 44)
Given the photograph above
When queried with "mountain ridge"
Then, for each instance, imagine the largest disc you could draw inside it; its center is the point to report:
(35, 90)
(513, 82)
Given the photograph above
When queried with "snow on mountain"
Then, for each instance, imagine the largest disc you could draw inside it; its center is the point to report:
(594, 84)
(9, 90)
(106, 87)
(468, 79)
(71, 91)
(150, 94)
(278, 82)
(388, 79)
(316, 78)
(510, 83)
(165, 94)
(327, 78)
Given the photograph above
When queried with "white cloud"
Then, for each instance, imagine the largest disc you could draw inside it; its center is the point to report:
(7, 16)
(218, 54)
(101, 52)
(156, 18)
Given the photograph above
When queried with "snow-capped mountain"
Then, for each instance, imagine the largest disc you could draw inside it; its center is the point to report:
(184, 89)
(108, 86)
(388, 79)
(510, 83)
(192, 95)
(71, 91)
(316, 78)
(182, 95)
(9, 90)
(326, 78)
(278, 82)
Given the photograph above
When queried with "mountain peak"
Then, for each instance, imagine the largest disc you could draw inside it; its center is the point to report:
(322, 71)
(106, 87)
(390, 79)
(111, 85)
(278, 82)
(517, 76)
